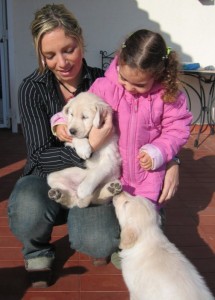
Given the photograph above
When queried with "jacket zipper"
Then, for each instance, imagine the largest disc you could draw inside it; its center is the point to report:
(131, 147)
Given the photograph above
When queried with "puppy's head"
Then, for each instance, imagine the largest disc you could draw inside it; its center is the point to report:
(83, 112)
(135, 214)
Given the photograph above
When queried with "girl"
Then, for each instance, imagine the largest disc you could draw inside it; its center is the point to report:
(150, 111)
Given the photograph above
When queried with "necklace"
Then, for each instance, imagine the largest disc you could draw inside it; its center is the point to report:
(66, 88)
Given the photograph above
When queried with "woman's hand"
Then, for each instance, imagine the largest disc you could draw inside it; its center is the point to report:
(62, 133)
(171, 182)
(98, 136)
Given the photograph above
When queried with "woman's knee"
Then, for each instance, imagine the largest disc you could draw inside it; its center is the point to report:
(29, 204)
(94, 230)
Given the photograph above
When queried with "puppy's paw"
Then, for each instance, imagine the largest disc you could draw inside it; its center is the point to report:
(55, 194)
(84, 152)
(61, 197)
(82, 147)
(115, 187)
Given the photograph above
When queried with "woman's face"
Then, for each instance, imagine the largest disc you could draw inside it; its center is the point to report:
(134, 80)
(62, 54)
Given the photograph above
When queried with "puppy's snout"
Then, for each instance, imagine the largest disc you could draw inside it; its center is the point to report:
(73, 131)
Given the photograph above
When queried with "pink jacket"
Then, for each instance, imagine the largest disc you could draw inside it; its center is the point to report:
(145, 122)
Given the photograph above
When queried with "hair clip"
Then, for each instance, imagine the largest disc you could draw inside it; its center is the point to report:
(123, 45)
(165, 57)
(168, 51)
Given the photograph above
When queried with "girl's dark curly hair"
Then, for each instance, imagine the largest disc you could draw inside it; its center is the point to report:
(147, 51)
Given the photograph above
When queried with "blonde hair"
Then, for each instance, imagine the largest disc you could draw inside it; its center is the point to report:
(48, 18)
(147, 51)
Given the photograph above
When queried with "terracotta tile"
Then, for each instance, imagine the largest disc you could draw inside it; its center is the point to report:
(205, 265)
(3, 221)
(208, 229)
(13, 253)
(187, 240)
(84, 257)
(180, 231)
(3, 212)
(176, 221)
(60, 230)
(209, 278)
(5, 231)
(66, 283)
(56, 295)
(206, 220)
(91, 269)
(104, 296)
(210, 238)
(197, 252)
(102, 282)
(13, 281)
(190, 225)
(11, 264)
(6, 241)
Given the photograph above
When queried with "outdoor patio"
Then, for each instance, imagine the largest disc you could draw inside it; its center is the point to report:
(190, 225)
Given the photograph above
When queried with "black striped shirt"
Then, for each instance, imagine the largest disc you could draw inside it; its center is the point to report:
(39, 98)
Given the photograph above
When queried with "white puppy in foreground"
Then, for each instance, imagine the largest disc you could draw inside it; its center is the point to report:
(152, 267)
(98, 182)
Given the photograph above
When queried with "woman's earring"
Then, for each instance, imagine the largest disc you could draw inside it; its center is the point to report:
(43, 63)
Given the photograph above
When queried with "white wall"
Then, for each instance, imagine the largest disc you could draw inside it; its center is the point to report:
(187, 26)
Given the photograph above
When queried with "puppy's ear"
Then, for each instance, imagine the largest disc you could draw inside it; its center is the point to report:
(101, 111)
(98, 119)
(128, 237)
(65, 110)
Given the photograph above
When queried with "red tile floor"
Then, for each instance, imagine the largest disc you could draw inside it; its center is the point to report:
(190, 225)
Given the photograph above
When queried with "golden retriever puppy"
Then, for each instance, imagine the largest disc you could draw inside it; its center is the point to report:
(98, 182)
(152, 267)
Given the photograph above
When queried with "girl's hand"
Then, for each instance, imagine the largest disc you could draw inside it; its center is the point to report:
(145, 160)
(98, 136)
(171, 182)
(62, 133)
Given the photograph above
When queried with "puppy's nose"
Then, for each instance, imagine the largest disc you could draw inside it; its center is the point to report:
(72, 131)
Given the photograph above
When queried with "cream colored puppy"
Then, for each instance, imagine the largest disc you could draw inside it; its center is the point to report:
(98, 182)
(152, 267)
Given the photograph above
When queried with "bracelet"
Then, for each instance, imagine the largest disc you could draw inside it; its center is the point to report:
(176, 160)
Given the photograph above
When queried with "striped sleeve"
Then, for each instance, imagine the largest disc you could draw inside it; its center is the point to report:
(44, 152)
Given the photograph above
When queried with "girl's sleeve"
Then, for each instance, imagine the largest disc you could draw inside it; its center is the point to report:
(175, 128)
(57, 119)
(43, 150)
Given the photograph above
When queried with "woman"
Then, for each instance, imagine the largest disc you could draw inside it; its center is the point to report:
(62, 74)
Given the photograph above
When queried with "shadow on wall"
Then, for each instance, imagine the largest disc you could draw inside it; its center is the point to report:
(207, 2)
(114, 21)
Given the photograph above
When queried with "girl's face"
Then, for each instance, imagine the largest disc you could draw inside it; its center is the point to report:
(62, 55)
(134, 80)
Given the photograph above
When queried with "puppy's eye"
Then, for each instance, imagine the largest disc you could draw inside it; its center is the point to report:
(71, 114)
(84, 117)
